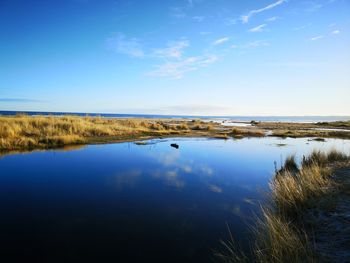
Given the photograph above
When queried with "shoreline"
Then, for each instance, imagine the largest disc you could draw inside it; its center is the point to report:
(26, 133)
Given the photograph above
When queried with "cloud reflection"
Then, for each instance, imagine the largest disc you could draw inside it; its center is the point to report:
(215, 188)
(170, 178)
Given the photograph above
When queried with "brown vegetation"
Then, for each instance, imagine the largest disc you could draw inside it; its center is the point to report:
(24, 132)
(337, 124)
(286, 232)
(311, 133)
(248, 132)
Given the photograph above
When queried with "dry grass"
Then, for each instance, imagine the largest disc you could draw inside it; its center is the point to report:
(292, 191)
(22, 132)
(323, 159)
(279, 240)
(282, 234)
(27, 132)
(293, 133)
(249, 132)
(337, 124)
(300, 126)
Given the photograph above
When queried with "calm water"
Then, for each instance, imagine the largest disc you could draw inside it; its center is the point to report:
(137, 203)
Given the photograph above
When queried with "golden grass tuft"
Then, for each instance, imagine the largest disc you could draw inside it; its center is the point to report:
(282, 234)
(292, 192)
(295, 133)
(278, 240)
(28, 132)
(251, 132)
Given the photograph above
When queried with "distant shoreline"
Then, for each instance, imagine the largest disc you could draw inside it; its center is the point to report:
(298, 119)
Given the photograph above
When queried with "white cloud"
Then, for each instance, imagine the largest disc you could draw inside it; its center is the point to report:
(177, 69)
(302, 27)
(203, 33)
(221, 41)
(259, 28)
(258, 43)
(245, 18)
(316, 38)
(272, 19)
(198, 18)
(178, 12)
(127, 46)
(174, 50)
(336, 32)
(252, 44)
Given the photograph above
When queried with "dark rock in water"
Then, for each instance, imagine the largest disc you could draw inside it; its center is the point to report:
(174, 145)
(317, 139)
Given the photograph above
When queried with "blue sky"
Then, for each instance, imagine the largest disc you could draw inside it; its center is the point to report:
(200, 57)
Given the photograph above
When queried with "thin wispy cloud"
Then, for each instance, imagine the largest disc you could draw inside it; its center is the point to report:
(245, 18)
(302, 27)
(177, 69)
(259, 28)
(203, 33)
(272, 19)
(178, 12)
(19, 100)
(251, 44)
(174, 50)
(312, 6)
(316, 38)
(182, 11)
(221, 41)
(335, 32)
(258, 43)
(174, 64)
(127, 46)
(198, 18)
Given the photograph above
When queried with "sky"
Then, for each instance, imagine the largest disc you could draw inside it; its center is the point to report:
(187, 57)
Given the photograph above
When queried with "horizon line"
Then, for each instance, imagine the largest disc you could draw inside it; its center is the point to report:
(179, 115)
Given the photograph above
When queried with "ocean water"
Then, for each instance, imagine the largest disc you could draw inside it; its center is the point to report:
(222, 118)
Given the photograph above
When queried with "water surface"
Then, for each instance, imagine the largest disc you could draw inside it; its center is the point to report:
(137, 203)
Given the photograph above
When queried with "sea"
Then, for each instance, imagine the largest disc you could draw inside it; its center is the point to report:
(297, 119)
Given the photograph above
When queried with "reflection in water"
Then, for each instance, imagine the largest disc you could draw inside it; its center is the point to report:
(127, 178)
(170, 178)
(135, 203)
(215, 188)
(64, 148)
(167, 158)
(249, 201)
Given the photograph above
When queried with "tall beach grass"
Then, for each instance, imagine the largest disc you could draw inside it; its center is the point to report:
(281, 234)
(27, 132)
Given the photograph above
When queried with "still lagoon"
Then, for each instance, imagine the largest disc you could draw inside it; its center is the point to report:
(126, 202)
